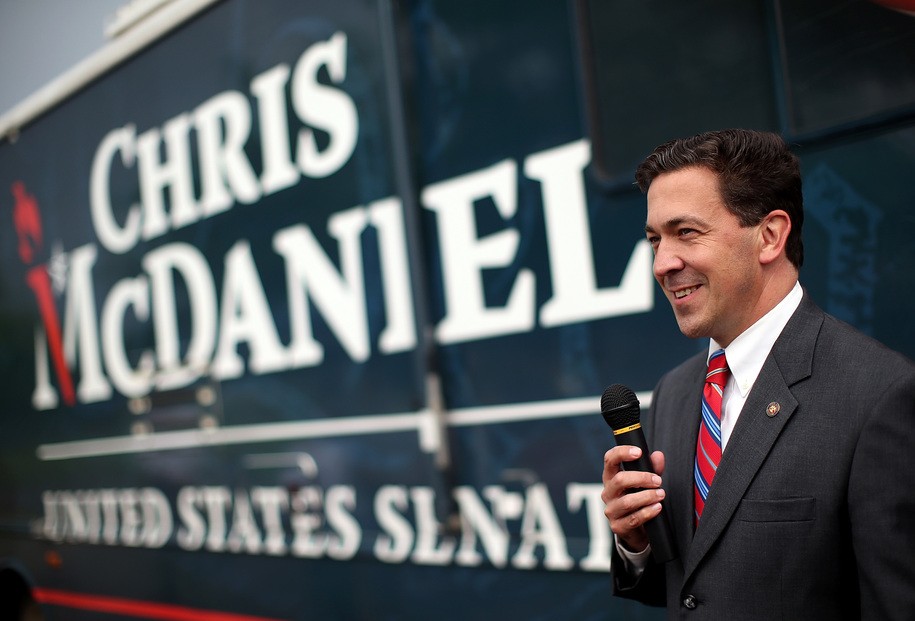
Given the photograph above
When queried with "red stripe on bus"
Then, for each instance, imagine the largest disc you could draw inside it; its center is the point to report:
(135, 608)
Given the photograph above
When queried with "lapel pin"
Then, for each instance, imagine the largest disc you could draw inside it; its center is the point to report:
(772, 409)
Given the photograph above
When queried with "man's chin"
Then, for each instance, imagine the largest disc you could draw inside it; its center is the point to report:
(690, 328)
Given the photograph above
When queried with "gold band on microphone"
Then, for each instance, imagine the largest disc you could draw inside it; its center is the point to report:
(617, 432)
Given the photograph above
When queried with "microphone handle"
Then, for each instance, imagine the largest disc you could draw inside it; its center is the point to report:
(660, 533)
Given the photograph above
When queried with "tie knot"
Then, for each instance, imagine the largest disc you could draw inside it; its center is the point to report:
(718, 371)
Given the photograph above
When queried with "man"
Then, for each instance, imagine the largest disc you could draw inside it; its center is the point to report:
(789, 478)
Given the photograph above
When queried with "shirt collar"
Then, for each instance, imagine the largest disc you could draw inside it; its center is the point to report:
(747, 353)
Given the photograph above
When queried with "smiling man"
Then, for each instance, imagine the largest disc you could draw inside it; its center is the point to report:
(786, 447)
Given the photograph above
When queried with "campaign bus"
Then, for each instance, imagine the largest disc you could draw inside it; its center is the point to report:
(306, 308)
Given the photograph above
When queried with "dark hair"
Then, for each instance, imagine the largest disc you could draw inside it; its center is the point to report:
(757, 173)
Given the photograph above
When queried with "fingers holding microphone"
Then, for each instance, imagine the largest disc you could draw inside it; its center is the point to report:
(631, 497)
(632, 486)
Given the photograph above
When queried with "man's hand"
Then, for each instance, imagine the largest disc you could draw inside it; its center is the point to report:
(626, 510)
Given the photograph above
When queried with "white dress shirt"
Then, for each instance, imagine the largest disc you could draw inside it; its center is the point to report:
(746, 355)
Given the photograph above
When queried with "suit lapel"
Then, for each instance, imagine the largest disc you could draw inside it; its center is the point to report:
(789, 362)
(681, 457)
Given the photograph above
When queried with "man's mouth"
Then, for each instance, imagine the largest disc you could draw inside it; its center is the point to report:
(682, 293)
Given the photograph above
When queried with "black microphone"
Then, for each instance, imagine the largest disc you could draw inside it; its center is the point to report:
(620, 408)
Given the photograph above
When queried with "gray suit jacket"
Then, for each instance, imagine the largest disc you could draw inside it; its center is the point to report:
(812, 511)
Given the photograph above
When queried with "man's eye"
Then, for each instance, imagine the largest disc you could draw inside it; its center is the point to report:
(686, 232)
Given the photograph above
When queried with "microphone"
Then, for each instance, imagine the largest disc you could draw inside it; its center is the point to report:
(620, 408)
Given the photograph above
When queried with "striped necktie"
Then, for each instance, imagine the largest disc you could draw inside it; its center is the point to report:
(708, 448)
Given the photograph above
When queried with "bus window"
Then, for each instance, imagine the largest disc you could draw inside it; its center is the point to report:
(655, 70)
(846, 64)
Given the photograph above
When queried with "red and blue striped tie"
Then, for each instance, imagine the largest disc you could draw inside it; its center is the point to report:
(708, 448)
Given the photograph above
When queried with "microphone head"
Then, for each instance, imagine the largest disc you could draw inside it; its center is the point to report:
(620, 407)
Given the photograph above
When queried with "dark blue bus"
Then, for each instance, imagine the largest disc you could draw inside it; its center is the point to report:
(306, 307)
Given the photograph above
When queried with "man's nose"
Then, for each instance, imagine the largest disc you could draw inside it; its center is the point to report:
(666, 260)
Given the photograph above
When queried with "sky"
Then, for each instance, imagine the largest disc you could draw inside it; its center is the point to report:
(41, 39)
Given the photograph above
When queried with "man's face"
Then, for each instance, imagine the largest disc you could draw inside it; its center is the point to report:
(705, 261)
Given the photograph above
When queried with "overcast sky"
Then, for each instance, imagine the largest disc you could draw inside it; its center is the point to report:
(41, 39)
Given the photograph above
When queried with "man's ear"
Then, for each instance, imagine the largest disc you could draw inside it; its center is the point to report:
(773, 231)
